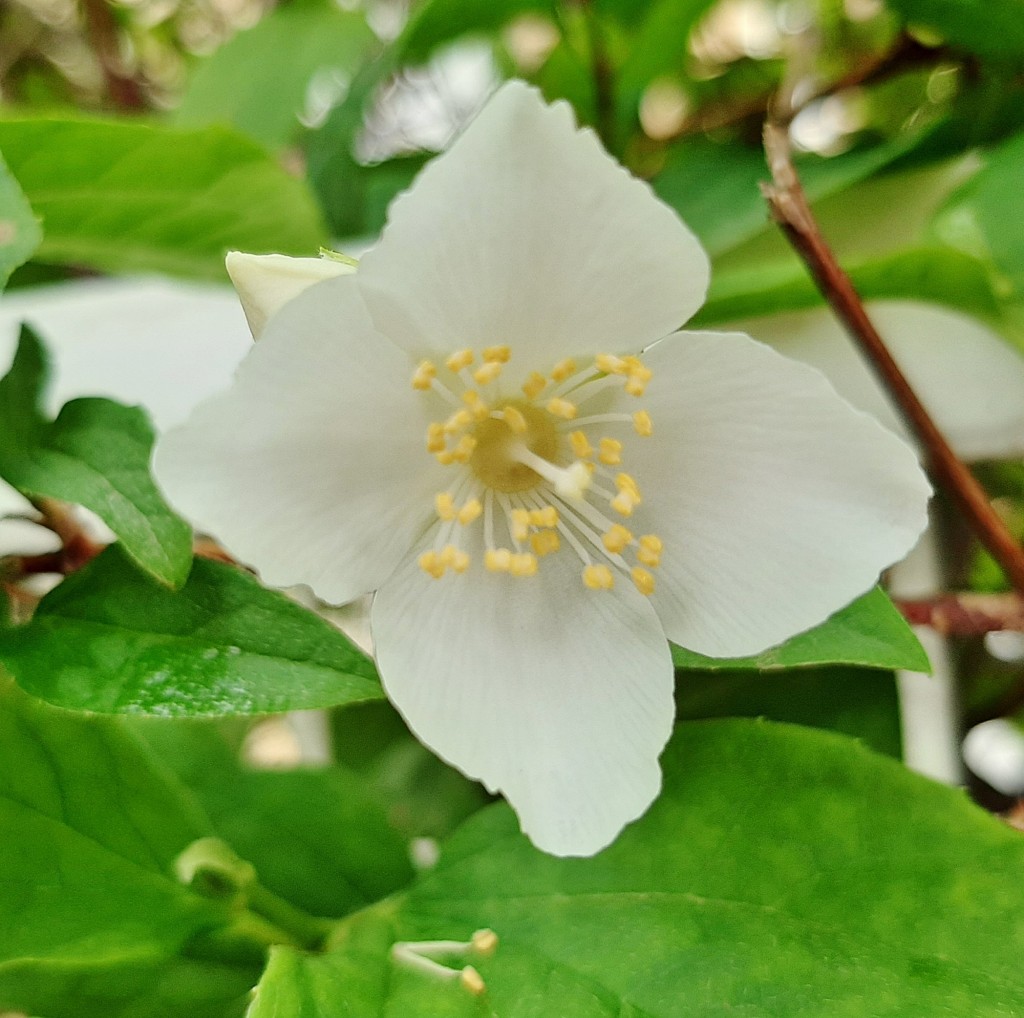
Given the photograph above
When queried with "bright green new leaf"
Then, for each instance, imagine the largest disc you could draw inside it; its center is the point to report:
(258, 81)
(19, 231)
(109, 639)
(92, 920)
(990, 28)
(131, 197)
(96, 454)
(868, 632)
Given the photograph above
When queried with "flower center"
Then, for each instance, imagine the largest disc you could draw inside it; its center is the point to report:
(533, 466)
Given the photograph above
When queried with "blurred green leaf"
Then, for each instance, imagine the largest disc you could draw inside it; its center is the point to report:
(130, 197)
(96, 454)
(868, 632)
(258, 81)
(108, 639)
(332, 849)
(92, 921)
(19, 230)
(990, 28)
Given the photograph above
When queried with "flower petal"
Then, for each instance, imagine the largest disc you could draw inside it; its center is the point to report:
(777, 502)
(265, 283)
(557, 696)
(526, 233)
(969, 379)
(312, 467)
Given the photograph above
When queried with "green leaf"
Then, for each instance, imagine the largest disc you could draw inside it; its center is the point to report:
(19, 230)
(92, 921)
(868, 632)
(96, 454)
(258, 81)
(108, 639)
(783, 871)
(130, 197)
(333, 850)
(990, 28)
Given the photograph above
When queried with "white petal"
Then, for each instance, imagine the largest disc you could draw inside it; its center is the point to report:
(969, 379)
(526, 233)
(778, 503)
(312, 467)
(557, 696)
(265, 283)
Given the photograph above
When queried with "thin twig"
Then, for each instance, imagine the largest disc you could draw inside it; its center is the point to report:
(966, 614)
(790, 209)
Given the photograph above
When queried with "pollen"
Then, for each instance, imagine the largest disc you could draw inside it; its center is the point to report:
(445, 505)
(610, 452)
(430, 562)
(425, 373)
(635, 386)
(534, 385)
(487, 372)
(497, 560)
(546, 517)
(544, 542)
(562, 408)
(464, 450)
(497, 354)
(476, 405)
(515, 420)
(435, 438)
(523, 564)
(617, 539)
(459, 360)
(643, 580)
(598, 577)
(649, 553)
(581, 446)
(458, 420)
(610, 364)
(470, 511)
(628, 497)
(563, 369)
(642, 424)
(520, 524)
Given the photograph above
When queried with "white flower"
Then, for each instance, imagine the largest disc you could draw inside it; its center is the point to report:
(493, 425)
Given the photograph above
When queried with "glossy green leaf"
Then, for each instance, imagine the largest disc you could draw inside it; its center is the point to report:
(19, 230)
(332, 851)
(869, 632)
(990, 28)
(131, 197)
(92, 920)
(258, 81)
(96, 454)
(108, 639)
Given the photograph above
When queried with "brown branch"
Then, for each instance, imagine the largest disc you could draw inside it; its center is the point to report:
(966, 614)
(101, 28)
(790, 209)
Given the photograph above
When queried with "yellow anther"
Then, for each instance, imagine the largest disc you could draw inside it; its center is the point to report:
(534, 385)
(544, 542)
(598, 578)
(497, 354)
(546, 517)
(459, 360)
(624, 503)
(635, 386)
(460, 561)
(563, 369)
(624, 482)
(610, 453)
(435, 437)
(470, 511)
(642, 423)
(650, 550)
(562, 408)
(471, 980)
(643, 579)
(617, 539)
(476, 405)
(445, 505)
(458, 420)
(424, 375)
(515, 420)
(637, 369)
(523, 564)
(430, 562)
(445, 457)
(464, 450)
(610, 364)
(520, 524)
(581, 446)
(497, 560)
(487, 372)
(484, 942)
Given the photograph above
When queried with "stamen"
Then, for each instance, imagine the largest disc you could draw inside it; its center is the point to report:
(642, 423)
(546, 516)
(498, 560)
(472, 981)
(459, 360)
(544, 542)
(520, 524)
(650, 550)
(458, 420)
(435, 437)
(464, 450)
(477, 406)
(635, 386)
(643, 579)
(487, 372)
(563, 369)
(598, 577)
(562, 408)
(497, 354)
(430, 562)
(444, 503)
(610, 452)
(610, 364)
(470, 511)
(515, 420)
(617, 539)
(424, 375)
(523, 564)
(534, 385)
(581, 446)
